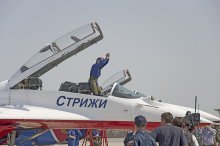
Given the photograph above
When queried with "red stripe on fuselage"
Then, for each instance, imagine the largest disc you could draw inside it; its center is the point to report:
(65, 124)
(68, 124)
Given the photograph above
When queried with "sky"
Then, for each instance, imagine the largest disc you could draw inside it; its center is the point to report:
(171, 48)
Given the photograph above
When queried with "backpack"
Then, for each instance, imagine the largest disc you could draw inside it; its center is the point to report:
(131, 138)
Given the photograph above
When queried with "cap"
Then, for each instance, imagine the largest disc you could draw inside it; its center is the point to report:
(140, 120)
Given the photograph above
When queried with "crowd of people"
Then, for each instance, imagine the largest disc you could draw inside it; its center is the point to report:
(172, 132)
(74, 136)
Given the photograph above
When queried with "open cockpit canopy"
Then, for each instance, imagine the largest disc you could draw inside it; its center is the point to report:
(121, 77)
(64, 42)
(122, 92)
(56, 52)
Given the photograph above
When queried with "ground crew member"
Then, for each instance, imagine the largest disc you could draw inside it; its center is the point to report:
(95, 73)
(167, 134)
(96, 137)
(73, 136)
(140, 137)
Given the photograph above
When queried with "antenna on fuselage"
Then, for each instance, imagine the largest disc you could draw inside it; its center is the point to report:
(195, 103)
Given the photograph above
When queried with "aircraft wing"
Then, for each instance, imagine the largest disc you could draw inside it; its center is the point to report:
(12, 117)
(32, 117)
(58, 51)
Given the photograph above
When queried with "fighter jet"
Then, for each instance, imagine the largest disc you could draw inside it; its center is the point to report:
(24, 105)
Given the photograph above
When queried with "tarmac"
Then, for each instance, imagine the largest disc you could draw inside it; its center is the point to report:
(111, 142)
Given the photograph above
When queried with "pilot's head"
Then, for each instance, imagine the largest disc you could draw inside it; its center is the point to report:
(99, 59)
(140, 121)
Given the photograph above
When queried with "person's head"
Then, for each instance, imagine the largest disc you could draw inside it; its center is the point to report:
(99, 59)
(188, 126)
(140, 121)
(95, 132)
(166, 118)
(178, 121)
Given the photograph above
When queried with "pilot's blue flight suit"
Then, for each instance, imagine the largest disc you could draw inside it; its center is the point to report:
(95, 73)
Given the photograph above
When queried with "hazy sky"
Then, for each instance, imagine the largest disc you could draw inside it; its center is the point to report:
(171, 47)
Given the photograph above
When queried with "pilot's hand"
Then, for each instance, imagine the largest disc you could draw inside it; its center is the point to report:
(107, 55)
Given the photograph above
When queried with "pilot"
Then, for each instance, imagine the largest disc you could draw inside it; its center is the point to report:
(95, 73)
(140, 137)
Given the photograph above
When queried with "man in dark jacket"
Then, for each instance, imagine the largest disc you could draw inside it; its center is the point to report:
(140, 137)
(95, 73)
(167, 134)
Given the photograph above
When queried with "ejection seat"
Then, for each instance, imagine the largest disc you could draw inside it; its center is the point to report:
(33, 83)
(82, 87)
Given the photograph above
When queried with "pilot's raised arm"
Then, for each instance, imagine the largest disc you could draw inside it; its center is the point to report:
(95, 73)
